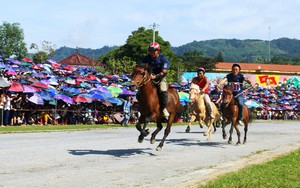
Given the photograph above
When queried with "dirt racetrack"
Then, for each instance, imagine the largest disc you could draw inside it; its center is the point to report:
(114, 158)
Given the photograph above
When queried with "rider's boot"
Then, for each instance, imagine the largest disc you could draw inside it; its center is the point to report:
(164, 101)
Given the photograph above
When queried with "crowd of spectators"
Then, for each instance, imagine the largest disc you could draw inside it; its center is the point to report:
(19, 107)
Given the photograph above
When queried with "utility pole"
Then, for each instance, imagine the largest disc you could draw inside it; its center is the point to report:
(269, 58)
(154, 26)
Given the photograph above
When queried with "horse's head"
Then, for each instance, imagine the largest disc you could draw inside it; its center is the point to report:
(227, 95)
(140, 76)
(194, 92)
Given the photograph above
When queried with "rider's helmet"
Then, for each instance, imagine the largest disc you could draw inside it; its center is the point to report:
(153, 46)
(201, 69)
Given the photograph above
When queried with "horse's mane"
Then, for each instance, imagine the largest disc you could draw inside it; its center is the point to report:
(195, 86)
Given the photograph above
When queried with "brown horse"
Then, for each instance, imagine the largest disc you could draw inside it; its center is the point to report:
(200, 112)
(149, 106)
(230, 115)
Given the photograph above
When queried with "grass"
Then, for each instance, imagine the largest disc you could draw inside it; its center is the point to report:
(49, 128)
(281, 172)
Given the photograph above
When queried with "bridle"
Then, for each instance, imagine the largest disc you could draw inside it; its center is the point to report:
(142, 81)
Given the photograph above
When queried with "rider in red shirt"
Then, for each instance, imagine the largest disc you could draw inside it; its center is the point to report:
(203, 82)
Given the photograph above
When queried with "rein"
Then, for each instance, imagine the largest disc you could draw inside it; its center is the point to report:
(243, 92)
(142, 81)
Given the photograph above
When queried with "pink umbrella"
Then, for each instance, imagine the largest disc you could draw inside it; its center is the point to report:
(40, 85)
(11, 72)
(16, 87)
(81, 98)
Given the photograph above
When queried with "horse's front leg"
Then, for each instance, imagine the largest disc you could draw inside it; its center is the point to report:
(143, 131)
(193, 118)
(209, 130)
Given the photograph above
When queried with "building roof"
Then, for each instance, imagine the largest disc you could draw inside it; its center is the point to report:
(79, 60)
(259, 68)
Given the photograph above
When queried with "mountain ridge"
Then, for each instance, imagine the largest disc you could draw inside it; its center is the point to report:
(233, 50)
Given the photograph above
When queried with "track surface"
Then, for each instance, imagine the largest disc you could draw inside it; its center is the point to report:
(113, 157)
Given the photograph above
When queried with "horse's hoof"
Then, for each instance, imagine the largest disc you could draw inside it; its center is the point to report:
(245, 142)
(229, 142)
(152, 141)
(187, 130)
(158, 148)
(238, 143)
(225, 137)
(141, 138)
(205, 134)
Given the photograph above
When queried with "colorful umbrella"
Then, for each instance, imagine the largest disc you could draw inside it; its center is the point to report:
(16, 87)
(64, 98)
(114, 90)
(183, 96)
(81, 98)
(29, 89)
(27, 59)
(3, 83)
(40, 85)
(36, 99)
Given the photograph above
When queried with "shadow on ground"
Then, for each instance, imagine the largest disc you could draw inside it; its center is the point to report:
(113, 152)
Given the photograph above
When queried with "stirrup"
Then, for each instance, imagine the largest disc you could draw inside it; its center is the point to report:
(165, 112)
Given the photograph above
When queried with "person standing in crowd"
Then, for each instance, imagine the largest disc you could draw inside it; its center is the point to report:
(127, 110)
(203, 82)
(7, 107)
(159, 65)
(2, 99)
(235, 79)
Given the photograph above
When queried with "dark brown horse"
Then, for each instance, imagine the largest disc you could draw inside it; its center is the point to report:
(230, 115)
(149, 106)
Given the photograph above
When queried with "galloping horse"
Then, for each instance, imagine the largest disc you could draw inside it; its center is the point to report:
(149, 106)
(230, 113)
(199, 111)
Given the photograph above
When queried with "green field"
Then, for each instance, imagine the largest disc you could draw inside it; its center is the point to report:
(281, 172)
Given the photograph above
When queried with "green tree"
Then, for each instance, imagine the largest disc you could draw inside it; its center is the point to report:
(194, 59)
(135, 48)
(47, 51)
(12, 41)
(219, 57)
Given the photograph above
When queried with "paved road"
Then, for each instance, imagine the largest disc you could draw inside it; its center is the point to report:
(114, 158)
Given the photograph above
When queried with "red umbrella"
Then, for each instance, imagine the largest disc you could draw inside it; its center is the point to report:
(40, 85)
(27, 59)
(16, 87)
(81, 98)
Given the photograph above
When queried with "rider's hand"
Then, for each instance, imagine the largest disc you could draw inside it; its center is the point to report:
(153, 76)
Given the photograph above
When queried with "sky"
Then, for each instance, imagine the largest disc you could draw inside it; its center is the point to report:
(97, 23)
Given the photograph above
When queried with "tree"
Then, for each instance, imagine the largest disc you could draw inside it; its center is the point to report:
(195, 59)
(219, 57)
(12, 41)
(43, 54)
(135, 48)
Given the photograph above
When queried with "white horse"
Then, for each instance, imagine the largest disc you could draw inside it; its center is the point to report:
(200, 112)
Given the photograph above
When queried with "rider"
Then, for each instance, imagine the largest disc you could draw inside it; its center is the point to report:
(236, 79)
(203, 82)
(159, 65)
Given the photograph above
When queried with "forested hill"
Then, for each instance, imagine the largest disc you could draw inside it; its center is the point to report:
(233, 50)
(250, 50)
(64, 52)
